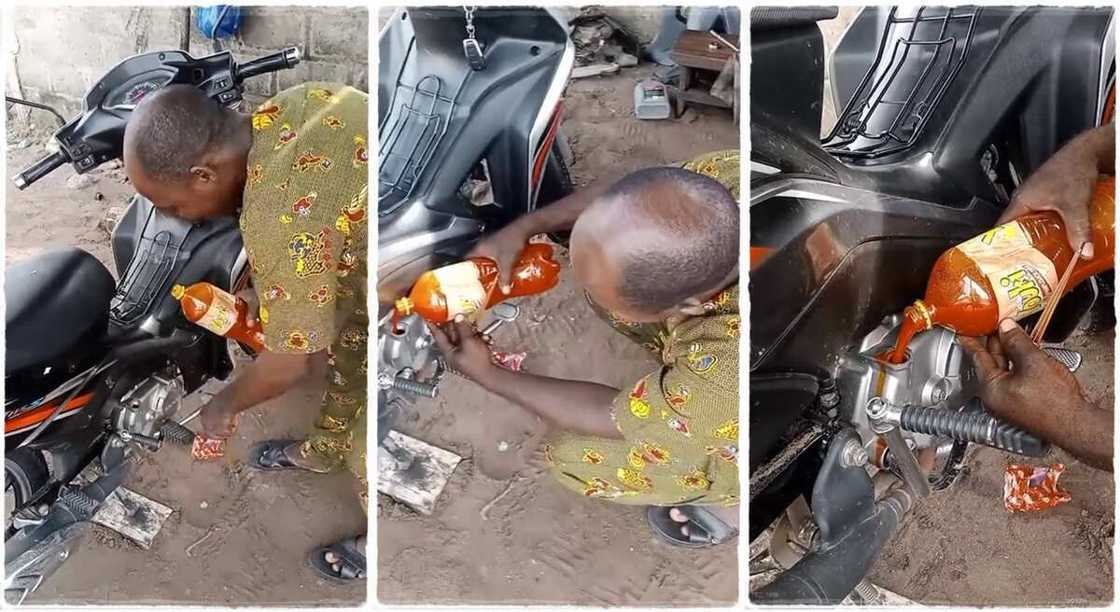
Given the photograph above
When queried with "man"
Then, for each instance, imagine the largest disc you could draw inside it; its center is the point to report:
(1021, 384)
(657, 254)
(295, 173)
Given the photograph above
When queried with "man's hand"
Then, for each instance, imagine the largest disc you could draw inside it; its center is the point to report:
(465, 351)
(504, 246)
(251, 298)
(1026, 387)
(217, 419)
(1032, 386)
(1064, 184)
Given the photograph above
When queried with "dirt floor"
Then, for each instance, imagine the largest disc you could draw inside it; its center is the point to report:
(248, 533)
(540, 543)
(961, 547)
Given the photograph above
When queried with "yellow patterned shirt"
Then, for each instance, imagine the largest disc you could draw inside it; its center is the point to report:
(303, 216)
(680, 423)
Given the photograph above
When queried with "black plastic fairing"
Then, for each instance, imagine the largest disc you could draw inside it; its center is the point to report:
(1036, 69)
(494, 110)
(171, 251)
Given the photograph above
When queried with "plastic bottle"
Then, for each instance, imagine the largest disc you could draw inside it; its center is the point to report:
(470, 286)
(1008, 271)
(219, 312)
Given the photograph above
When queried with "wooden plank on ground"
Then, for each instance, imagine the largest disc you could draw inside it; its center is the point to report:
(413, 472)
(132, 515)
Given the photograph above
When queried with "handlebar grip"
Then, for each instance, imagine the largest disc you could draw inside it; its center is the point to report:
(287, 58)
(40, 169)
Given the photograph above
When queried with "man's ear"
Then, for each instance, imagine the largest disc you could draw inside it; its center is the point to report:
(205, 174)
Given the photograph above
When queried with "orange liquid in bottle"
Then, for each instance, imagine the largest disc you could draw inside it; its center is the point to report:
(472, 285)
(1008, 272)
(219, 312)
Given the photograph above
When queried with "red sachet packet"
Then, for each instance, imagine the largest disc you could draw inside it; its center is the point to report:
(207, 449)
(1027, 488)
(509, 361)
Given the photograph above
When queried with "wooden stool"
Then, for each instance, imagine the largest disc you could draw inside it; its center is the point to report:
(701, 51)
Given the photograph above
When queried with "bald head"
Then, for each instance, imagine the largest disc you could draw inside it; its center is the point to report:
(171, 130)
(657, 239)
(186, 153)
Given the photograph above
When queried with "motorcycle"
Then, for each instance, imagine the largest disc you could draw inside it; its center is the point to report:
(469, 136)
(96, 368)
(941, 113)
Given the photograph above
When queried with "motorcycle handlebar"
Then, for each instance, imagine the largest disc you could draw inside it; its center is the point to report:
(40, 169)
(287, 58)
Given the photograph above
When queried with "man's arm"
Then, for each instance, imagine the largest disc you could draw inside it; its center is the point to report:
(505, 245)
(572, 405)
(269, 376)
(561, 215)
(582, 407)
(1064, 184)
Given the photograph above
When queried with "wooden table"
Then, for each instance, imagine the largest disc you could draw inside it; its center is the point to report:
(696, 50)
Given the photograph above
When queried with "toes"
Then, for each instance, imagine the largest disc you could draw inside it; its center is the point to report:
(677, 515)
(330, 557)
(684, 530)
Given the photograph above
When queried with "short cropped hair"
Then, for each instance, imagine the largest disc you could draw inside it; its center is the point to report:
(699, 220)
(171, 129)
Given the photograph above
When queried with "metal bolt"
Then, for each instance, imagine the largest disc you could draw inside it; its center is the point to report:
(853, 455)
(62, 555)
(876, 408)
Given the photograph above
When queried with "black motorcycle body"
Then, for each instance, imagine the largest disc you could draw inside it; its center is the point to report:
(97, 363)
(464, 150)
(942, 113)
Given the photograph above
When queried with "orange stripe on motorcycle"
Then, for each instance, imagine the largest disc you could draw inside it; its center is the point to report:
(39, 414)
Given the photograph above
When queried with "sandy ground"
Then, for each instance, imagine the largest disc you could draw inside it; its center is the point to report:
(961, 547)
(541, 543)
(258, 527)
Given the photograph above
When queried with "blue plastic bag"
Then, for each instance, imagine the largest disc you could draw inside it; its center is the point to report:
(218, 21)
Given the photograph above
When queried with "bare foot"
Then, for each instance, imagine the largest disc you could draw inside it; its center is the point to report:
(336, 561)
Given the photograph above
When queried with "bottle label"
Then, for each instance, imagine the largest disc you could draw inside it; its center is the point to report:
(1021, 275)
(221, 315)
(462, 288)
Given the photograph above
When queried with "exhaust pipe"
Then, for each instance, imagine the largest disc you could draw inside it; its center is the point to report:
(853, 529)
(828, 574)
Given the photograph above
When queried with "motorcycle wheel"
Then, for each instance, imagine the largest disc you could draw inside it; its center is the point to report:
(25, 474)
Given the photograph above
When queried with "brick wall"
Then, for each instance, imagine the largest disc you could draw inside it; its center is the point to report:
(57, 52)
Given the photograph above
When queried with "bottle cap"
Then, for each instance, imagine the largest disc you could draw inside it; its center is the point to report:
(404, 306)
(178, 291)
(922, 314)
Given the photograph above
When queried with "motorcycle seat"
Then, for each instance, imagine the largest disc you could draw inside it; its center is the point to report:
(54, 301)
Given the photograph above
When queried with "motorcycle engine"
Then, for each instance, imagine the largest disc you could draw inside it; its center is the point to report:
(145, 407)
(409, 364)
(938, 374)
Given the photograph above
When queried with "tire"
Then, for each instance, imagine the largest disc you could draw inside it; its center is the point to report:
(25, 475)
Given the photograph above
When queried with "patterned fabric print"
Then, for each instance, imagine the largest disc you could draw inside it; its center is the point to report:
(680, 423)
(309, 273)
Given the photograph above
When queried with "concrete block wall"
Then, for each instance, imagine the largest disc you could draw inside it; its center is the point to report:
(58, 52)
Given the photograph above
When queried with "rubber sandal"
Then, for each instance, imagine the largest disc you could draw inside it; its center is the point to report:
(705, 529)
(351, 560)
(269, 456)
